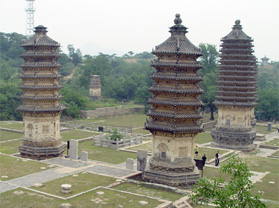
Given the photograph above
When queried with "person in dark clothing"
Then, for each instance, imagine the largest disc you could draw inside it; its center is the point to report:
(203, 159)
(217, 158)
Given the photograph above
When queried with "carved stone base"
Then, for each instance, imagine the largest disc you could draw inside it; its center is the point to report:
(171, 178)
(40, 153)
(233, 138)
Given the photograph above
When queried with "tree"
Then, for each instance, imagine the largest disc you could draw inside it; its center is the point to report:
(209, 71)
(209, 58)
(234, 194)
(268, 103)
(75, 55)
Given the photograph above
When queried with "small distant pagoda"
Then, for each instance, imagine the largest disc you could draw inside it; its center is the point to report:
(237, 91)
(95, 87)
(174, 116)
(41, 107)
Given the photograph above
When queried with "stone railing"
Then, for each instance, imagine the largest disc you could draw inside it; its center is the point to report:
(104, 141)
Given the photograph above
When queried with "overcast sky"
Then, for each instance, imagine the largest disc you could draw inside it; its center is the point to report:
(127, 25)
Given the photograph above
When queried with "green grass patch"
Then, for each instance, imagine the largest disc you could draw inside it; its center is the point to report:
(261, 164)
(274, 142)
(209, 152)
(7, 135)
(206, 117)
(79, 184)
(105, 154)
(16, 126)
(17, 167)
(10, 147)
(141, 131)
(276, 154)
(203, 137)
(270, 191)
(263, 129)
(209, 173)
(111, 199)
(148, 191)
(147, 147)
(132, 120)
(76, 134)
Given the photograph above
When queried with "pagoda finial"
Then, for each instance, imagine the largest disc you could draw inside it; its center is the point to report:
(237, 25)
(177, 19)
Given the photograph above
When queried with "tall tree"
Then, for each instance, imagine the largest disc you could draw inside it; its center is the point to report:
(209, 68)
(234, 194)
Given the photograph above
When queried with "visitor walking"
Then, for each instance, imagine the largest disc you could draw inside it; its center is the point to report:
(217, 158)
(203, 159)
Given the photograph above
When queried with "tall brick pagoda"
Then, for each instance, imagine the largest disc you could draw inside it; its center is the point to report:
(236, 94)
(41, 107)
(174, 116)
(95, 87)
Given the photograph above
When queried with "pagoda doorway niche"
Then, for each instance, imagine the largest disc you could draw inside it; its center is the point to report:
(29, 132)
(163, 148)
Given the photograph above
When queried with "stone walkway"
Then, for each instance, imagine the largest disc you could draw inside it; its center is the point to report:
(65, 167)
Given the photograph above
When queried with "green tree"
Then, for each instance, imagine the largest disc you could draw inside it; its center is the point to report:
(209, 71)
(209, 59)
(268, 104)
(75, 55)
(234, 194)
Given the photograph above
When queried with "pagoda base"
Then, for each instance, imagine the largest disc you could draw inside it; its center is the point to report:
(233, 138)
(171, 178)
(41, 153)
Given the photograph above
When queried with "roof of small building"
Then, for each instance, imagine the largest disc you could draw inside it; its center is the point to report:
(40, 38)
(237, 33)
(178, 43)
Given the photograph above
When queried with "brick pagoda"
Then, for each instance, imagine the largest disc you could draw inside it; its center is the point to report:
(237, 91)
(95, 87)
(174, 116)
(41, 107)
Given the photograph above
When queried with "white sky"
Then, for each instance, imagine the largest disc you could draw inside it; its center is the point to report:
(127, 25)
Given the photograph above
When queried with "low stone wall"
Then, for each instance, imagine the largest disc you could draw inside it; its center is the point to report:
(111, 111)
(210, 124)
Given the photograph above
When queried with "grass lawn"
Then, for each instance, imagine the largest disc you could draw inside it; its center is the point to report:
(7, 135)
(261, 164)
(105, 154)
(276, 154)
(210, 153)
(270, 191)
(110, 199)
(274, 142)
(153, 192)
(16, 167)
(203, 137)
(17, 126)
(132, 120)
(76, 134)
(209, 173)
(206, 117)
(10, 147)
(147, 146)
(263, 129)
(79, 184)
(141, 131)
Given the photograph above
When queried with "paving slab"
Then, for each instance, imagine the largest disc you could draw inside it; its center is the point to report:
(65, 162)
(4, 186)
(109, 170)
(40, 177)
